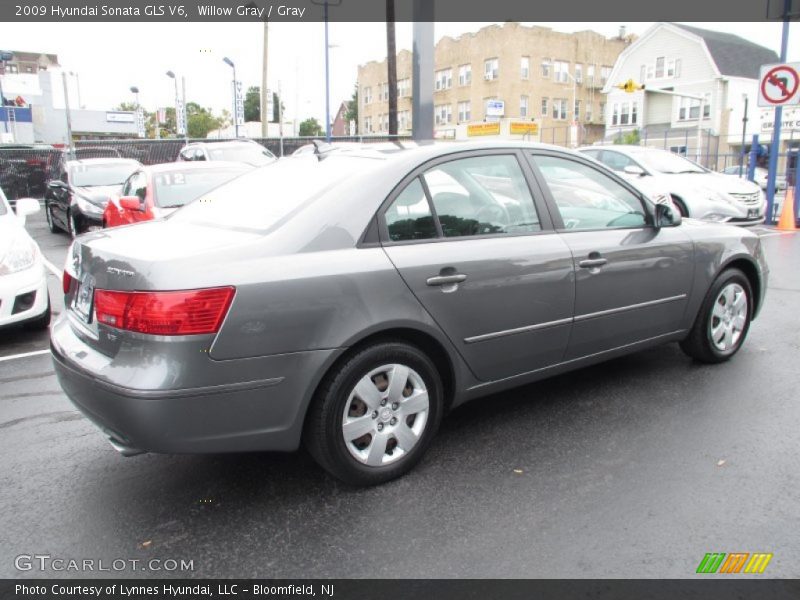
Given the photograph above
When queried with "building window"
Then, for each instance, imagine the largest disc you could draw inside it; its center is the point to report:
(525, 67)
(634, 112)
(561, 71)
(659, 67)
(578, 73)
(12, 69)
(605, 73)
(367, 124)
(577, 112)
(465, 75)
(523, 106)
(544, 111)
(464, 112)
(624, 114)
(615, 114)
(491, 69)
(367, 93)
(404, 120)
(403, 88)
(443, 113)
(589, 114)
(674, 68)
(603, 111)
(444, 79)
(546, 68)
(690, 108)
(590, 74)
(560, 109)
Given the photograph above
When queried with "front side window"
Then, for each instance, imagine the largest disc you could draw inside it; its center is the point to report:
(616, 161)
(587, 198)
(481, 196)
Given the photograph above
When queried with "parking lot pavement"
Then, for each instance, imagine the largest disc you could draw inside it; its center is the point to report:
(633, 468)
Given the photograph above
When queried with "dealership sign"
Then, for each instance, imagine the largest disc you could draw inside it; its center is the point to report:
(120, 117)
(522, 128)
(789, 121)
(483, 129)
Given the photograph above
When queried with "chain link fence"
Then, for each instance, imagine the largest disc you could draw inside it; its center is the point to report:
(25, 170)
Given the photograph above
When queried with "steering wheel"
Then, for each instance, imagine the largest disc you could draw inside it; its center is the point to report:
(494, 214)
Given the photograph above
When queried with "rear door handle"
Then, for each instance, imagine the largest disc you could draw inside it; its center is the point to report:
(591, 263)
(446, 279)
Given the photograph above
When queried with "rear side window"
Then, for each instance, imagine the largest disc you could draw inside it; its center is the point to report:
(409, 217)
(481, 196)
(477, 196)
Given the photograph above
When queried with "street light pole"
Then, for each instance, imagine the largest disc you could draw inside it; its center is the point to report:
(744, 135)
(230, 63)
(327, 81)
(171, 75)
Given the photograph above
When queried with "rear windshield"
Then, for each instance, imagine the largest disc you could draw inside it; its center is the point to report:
(105, 174)
(260, 198)
(176, 188)
(249, 153)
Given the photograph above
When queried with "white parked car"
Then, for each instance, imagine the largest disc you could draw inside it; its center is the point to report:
(759, 176)
(696, 191)
(23, 279)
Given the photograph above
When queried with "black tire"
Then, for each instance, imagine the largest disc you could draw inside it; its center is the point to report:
(699, 344)
(41, 322)
(48, 213)
(680, 206)
(323, 434)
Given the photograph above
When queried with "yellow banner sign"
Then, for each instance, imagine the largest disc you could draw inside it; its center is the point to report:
(483, 129)
(521, 128)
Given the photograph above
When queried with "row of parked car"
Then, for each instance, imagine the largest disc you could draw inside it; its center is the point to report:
(107, 192)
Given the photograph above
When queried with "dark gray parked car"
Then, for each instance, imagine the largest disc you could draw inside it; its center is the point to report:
(349, 303)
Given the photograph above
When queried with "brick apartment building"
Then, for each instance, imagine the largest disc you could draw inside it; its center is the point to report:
(534, 70)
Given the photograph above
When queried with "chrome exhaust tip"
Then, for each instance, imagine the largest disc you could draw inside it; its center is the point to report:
(124, 449)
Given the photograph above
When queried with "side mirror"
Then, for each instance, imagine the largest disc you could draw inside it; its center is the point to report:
(634, 170)
(131, 203)
(25, 207)
(667, 216)
(57, 185)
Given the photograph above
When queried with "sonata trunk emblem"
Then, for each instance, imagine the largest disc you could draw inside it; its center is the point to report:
(117, 271)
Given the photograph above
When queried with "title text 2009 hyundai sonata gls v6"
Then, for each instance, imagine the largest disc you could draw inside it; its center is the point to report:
(347, 300)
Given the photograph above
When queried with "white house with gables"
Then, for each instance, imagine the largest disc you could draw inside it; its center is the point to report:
(720, 67)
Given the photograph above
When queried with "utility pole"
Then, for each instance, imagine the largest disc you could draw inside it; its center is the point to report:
(66, 110)
(186, 115)
(422, 69)
(280, 116)
(391, 63)
(264, 90)
(744, 135)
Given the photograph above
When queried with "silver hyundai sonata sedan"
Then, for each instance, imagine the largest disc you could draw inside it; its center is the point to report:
(347, 300)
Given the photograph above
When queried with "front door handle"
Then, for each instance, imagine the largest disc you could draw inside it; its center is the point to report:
(591, 263)
(446, 279)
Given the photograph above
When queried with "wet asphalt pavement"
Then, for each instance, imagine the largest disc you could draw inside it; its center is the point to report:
(633, 468)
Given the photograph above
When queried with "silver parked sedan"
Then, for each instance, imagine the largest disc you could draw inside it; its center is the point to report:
(348, 300)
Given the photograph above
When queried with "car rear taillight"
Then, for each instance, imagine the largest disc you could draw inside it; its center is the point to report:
(185, 312)
(66, 282)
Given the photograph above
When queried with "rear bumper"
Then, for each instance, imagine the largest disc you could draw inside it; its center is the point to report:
(236, 413)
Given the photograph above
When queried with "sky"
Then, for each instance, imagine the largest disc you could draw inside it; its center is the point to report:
(111, 57)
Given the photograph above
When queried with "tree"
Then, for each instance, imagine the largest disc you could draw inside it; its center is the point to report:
(252, 104)
(310, 128)
(275, 116)
(199, 120)
(631, 138)
(352, 107)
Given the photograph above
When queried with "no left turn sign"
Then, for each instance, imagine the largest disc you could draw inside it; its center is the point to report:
(779, 85)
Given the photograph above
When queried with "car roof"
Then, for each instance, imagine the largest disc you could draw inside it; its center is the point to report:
(100, 161)
(216, 165)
